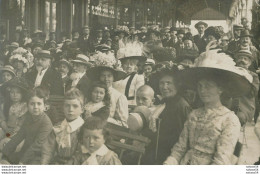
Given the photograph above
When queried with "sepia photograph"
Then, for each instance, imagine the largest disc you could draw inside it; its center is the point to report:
(129, 82)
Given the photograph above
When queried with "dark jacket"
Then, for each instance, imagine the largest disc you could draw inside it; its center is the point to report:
(83, 85)
(171, 125)
(51, 79)
(200, 42)
(34, 131)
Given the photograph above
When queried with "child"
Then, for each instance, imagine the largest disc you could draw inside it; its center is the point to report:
(63, 141)
(34, 131)
(93, 150)
(14, 108)
(148, 68)
(20, 63)
(64, 69)
(99, 101)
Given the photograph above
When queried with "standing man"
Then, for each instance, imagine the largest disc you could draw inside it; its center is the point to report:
(199, 39)
(234, 43)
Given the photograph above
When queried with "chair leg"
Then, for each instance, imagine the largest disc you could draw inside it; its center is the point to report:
(139, 159)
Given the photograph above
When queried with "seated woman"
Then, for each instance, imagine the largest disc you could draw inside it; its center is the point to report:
(211, 132)
(169, 116)
(99, 101)
(107, 69)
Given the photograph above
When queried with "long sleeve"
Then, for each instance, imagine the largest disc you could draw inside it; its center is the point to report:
(44, 131)
(48, 149)
(121, 112)
(226, 142)
(180, 148)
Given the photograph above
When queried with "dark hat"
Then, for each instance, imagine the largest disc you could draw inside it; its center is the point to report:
(102, 47)
(212, 31)
(173, 29)
(244, 53)
(245, 33)
(238, 27)
(64, 61)
(201, 23)
(180, 31)
(17, 82)
(187, 37)
(156, 32)
(43, 54)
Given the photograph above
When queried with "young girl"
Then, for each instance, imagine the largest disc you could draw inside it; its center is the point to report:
(63, 141)
(92, 149)
(99, 104)
(34, 131)
(13, 109)
(7, 73)
(20, 64)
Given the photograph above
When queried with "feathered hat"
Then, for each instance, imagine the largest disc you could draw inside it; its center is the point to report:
(105, 61)
(131, 51)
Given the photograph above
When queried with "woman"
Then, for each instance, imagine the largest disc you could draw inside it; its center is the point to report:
(170, 116)
(108, 70)
(212, 131)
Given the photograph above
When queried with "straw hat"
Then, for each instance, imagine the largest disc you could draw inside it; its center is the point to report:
(43, 54)
(221, 68)
(82, 59)
(244, 53)
(8, 68)
(103, 61)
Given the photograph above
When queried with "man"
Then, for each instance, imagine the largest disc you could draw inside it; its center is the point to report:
(234, 43)
(79, 78)
(173, 38)
(245, 106)
(246, 44)
(84, 40)
(199, 39)
(44, 75)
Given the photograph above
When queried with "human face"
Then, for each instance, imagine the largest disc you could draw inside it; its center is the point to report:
(98, 94)
(6, 76)
(43, 62)
(19, 65)
(107, 77)
(208, 91)
(167, 86)
(245, 41)
(237, 33)
(79, 68)
(243, 61)
(72, 109)
(130, 66)
(147, 69)
(180, 36)
(15, 94)
(210, 38)
(144, 98)
(36, 106)
(36, 49)
(201, 29)
(93, 139)
(188, 44)
(63, 69)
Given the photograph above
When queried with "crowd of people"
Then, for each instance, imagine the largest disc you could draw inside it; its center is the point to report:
(190, 95)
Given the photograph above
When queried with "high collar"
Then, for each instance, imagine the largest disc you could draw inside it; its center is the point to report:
(100, 152)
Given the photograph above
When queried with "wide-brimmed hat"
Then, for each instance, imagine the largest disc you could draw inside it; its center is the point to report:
(19, 57)
(139, 118)
(103, 48)
(149, 62)
(43, 54)
(219, 67)
(131, 51)
(16, 82)
(245, 33)
(214, 31)
(201, 23)
(82, 59)
(102, 62)
(8, 68)
(13, 45)
(244, 53)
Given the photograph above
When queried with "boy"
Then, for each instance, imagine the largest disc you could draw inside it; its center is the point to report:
(63, 141)
(93, 150)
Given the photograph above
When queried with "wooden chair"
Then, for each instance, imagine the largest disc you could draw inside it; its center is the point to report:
(55, 108)
(122, 141)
